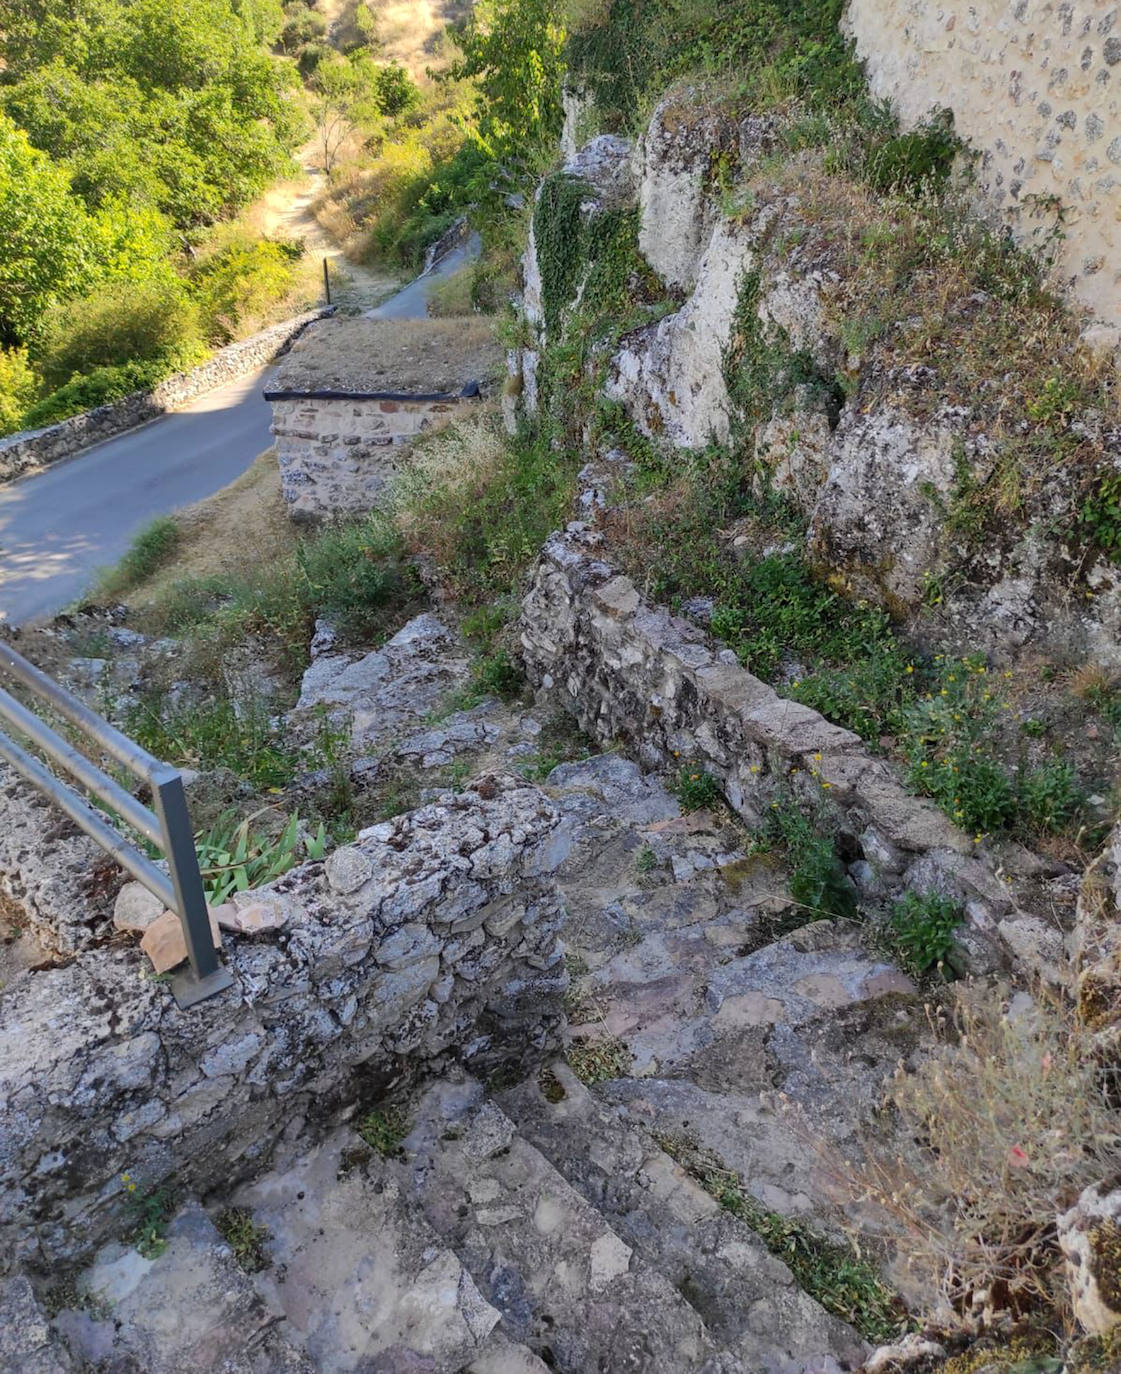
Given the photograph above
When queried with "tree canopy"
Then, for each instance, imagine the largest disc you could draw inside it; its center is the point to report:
(180, 107)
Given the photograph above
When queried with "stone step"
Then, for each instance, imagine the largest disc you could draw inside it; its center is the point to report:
(567, 1284)
(363, 1280)
(749, 1299)
(28, 1343)
(189, 1310)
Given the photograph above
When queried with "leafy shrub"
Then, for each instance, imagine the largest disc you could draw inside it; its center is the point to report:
(695, 788)
(396, 91)
(100, 387)
(921, 159)
(240, 281)
(1099, 520)
(948, 738)
(18, 387)
(119, 324)
(922, 929)
(235, 858)
(151, 548)
(817, 876)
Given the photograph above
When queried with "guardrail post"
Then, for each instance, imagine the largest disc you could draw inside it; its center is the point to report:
(206, 974)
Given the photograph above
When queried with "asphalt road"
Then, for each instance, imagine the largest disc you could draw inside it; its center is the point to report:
(58, 527)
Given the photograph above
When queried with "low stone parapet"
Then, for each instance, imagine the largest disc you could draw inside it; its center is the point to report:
(432, 938)
(32, 449)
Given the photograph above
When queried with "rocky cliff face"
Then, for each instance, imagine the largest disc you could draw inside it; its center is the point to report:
(918, 413)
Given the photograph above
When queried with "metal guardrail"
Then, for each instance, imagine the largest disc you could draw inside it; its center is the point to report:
(168, 827)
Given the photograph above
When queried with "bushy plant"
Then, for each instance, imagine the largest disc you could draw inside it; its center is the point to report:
(240, 280)
(18, 387)
(234, 857)
(100, 387)
(696, 788)
(922, 929)
(817, 876)
(1012, 1120)
(117, 325)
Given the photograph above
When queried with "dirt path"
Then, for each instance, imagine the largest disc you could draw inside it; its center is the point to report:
(286, 212)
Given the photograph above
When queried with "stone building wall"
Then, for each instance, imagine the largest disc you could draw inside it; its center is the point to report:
(33, 449)
(337, 454)
(434, 936)
(1035, 86)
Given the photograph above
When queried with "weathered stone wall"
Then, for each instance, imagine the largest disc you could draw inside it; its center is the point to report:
(634, 673)
(32, 449)
(1035, 86)
(433, 936)
(336, 454)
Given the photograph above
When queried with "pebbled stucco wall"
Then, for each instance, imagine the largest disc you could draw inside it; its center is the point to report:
(1036, 88)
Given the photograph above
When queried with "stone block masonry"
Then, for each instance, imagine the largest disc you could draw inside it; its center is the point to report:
(432, 938)
(635, 674)
(1035, 87)
(338, 452)
(23, 453)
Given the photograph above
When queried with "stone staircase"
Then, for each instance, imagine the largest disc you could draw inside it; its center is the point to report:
(544, 1225)
(542, 1237)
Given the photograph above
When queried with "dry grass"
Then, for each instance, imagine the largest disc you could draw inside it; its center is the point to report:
(452, 296)
(419, 356)
(922, 283)
(238, 528)
(458, 462)
(1012, 1124)
(412, 31)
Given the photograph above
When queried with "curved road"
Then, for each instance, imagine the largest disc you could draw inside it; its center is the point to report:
(58, 527)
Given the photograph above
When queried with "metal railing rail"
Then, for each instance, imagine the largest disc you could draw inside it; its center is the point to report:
(168, 826)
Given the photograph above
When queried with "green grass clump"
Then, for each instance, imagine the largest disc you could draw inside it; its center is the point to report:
(215, 734)
(151, 549)
(384, 1131)
(245, 1238)
(696, 788)
(922, 930)
(841, 1281)
(353, 575)
(817, 876)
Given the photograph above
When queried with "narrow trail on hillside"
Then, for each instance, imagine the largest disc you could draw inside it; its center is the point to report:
(286, 210)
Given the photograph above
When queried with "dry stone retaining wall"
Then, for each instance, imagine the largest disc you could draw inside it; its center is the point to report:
(433, 936)
(32, 449)
(635, 673)
(1036, 88)
(337, 453)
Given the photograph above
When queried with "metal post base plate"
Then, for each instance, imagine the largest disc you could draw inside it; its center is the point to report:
(189, 990)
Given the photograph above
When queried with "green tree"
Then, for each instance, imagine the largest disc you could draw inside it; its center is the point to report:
(345, 101)
(514, 49)
(45, 233)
